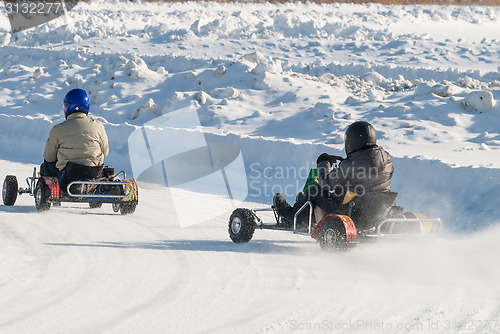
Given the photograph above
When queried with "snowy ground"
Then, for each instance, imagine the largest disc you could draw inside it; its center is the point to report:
(282, 82)
(82, 271)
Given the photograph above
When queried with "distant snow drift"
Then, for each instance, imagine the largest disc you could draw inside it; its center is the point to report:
(480, 101)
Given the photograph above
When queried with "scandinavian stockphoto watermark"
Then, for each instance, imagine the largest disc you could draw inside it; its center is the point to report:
(26, 14)
(172, 151)
(418, 326)
(265, 180)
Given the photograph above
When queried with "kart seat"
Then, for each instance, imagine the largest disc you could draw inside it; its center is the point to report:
(369, 209)
(77, 172)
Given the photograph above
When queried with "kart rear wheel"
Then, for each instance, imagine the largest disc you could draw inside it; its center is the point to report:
(9, 190)
(126, 209)
(95, 205)
(241, 225)
(41, 195)
(332, 236)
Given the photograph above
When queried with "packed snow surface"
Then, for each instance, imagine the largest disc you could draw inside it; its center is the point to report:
(282, 82)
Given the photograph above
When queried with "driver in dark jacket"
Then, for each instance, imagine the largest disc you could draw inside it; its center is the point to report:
(367, 168)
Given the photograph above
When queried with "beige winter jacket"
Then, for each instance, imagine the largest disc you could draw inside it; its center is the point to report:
(78, 139)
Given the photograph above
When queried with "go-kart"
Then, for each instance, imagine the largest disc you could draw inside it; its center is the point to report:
(359, 218)
(102, 185)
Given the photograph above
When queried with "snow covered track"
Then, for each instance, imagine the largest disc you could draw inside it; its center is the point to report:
(78, 270)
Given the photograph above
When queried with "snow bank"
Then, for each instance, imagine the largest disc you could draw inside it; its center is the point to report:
(480, 101)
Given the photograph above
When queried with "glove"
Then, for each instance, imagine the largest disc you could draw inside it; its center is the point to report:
(323, 157)
(332, 159)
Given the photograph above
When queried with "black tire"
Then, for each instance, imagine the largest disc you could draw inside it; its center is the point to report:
(126, 209)
(95, 205)
(41, 194)
(9, 190)
(116, 207)
(241, 225)
(332, 236)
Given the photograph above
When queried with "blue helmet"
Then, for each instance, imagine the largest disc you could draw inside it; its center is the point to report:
(76, 100)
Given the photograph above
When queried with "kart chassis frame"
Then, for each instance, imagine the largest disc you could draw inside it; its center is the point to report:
(384, 228)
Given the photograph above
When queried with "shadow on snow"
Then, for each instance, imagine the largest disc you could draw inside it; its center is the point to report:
(256, 246)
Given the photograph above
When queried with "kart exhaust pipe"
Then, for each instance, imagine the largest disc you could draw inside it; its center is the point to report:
(409, 226)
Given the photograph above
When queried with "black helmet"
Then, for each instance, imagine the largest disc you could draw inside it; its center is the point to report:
(359, 135)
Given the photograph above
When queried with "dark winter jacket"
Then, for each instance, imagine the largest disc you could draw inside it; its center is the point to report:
(366, 170)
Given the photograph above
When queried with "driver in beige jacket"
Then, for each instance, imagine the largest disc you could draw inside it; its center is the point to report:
(78, 139)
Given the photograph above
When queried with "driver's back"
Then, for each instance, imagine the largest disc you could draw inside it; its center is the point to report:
(369, 209)
(79, 140)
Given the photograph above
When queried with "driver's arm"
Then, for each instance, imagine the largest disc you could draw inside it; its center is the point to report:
(324, 168)
(331, 177)
(104, 141)
(51, 147)
(326, 163)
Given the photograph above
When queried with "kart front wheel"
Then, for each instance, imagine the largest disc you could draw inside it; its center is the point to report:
(332, 236)
(9, 190)
(41, 194)
(241, 225)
